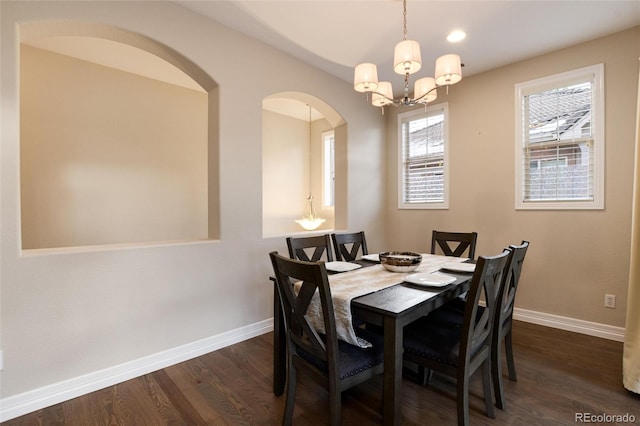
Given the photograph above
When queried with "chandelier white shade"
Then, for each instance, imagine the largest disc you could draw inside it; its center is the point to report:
(406, 57)
(424, 89)
(448, 70)
(382, 94)
(407, 60)
(365, 78)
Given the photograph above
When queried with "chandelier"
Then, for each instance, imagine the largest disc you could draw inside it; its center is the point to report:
(407, 61)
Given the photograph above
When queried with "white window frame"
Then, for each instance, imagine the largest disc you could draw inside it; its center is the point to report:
(442, 108)
(328, 169)
(595, 74)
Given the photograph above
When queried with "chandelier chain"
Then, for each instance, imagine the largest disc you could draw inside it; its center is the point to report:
(404, 15)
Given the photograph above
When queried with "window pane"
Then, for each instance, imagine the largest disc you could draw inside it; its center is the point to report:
(328, 172)
(424, 182)
(559, 114)
(422, 157)
(561, 172)
(558, 144)
(560, 140)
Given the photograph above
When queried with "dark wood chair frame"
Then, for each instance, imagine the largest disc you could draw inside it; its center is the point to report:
(476, 332)
(341, 242)
(452, 313)
(504, 320)
(321, 245)
(303, 341)
(466, 240)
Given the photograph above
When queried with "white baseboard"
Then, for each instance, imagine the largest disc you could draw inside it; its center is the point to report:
(18, 405)
(27, 402)
(604, 331)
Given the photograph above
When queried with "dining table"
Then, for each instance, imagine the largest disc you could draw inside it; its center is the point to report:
(390, 308)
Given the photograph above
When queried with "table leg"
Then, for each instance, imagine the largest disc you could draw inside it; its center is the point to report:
(279, 346)
(392, 390)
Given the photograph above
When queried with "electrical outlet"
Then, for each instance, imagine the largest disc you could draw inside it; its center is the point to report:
(609, 300)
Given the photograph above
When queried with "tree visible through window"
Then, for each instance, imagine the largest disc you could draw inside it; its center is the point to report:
(561, 147)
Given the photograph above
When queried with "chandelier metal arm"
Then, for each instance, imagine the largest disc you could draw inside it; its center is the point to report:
(405, 101)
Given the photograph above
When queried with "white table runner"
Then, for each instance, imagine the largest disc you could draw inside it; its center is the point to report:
(349, 285)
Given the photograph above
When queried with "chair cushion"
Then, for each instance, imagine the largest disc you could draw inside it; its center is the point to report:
(452, 313)
(440, 342)
(353, 359)
(436, 339)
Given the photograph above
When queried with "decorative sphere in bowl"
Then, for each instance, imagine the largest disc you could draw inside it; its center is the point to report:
(400, 261)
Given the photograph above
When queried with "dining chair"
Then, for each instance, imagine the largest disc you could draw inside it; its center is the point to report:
(504, 321)
(347, 245)
(460, 351)
(454, 243)
(336, 364)
(452, 313)
(300, 246)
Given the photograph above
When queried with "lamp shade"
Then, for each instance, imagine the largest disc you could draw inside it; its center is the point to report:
(406, 57)
(310, 223)
(448, 70)
(365, 77)
(384, 95)
(425, 87)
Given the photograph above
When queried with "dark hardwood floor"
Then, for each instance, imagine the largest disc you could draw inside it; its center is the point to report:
(559, 374)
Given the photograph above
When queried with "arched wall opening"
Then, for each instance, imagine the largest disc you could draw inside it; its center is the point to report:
(303, 155)
(112, 152)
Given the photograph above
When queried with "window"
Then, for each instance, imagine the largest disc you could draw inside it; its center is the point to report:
(560, 141)
(328, 169)
(423, 159)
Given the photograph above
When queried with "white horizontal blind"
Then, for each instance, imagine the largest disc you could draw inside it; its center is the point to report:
(423, 142)
(558, 148)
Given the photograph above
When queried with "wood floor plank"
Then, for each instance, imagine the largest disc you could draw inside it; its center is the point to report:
(190, 386)
(559, 374)
(174, 406)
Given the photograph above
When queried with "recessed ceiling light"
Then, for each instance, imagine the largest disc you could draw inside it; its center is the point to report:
(456, 36)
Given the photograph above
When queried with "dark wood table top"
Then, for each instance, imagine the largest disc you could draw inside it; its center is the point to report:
(404, 296)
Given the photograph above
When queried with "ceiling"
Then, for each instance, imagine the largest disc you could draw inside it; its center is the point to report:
(336, 35)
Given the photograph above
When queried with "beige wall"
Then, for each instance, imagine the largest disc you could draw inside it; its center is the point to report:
(66, 313)
(285, 173)
(575, 257)
(107, 156)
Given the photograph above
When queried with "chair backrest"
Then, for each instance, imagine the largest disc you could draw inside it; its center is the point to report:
(347, 245)
(477, 329)
(454, 243)
(320, 244)
(312, 279)
(508, 292)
